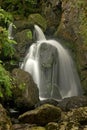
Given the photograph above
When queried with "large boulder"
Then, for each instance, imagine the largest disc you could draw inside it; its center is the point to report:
(42, 115)
(25, 91)
(5, 123)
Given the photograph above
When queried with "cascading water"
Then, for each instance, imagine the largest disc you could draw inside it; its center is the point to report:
(10, 31)
(52, 68)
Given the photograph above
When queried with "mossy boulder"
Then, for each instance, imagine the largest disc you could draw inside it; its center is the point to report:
(38, 19)
(41, 115)
(25, 91)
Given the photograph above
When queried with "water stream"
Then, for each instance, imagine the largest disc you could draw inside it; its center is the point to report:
(52, 68)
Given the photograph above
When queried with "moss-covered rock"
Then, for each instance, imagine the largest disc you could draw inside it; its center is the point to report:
(25, 91)
(38, 19)
(42, 115)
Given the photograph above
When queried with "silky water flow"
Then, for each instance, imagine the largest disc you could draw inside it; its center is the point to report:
(52, 68)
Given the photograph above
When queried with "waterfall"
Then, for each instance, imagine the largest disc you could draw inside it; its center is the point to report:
(10, 31)
(52, 68)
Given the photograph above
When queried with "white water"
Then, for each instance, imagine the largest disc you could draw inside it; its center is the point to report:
(10, 31)
(56, 80)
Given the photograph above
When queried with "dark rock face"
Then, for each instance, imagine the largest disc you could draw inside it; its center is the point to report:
(52, 11)
(5, 123)
(48, 60)
(41, 115)
(25, 91)
(68, 104)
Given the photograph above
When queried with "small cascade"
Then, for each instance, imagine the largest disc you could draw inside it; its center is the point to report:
(52, 68)
(10, 31)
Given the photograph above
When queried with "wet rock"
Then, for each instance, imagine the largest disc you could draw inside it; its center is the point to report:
(5, 123)
(72, 102)
(41, 115)
(25, 91)
(48, 60)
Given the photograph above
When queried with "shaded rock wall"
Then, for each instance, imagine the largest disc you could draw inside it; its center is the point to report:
(72, 27)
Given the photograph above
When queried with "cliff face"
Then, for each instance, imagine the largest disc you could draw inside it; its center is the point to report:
(73, 27)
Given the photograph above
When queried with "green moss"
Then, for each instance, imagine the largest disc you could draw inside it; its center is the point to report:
(29, 34)
(37, 19)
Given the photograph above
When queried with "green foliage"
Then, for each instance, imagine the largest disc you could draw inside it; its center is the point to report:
(5, 82)
(22, 86)
(6, 50)
(6, 45)
(19, 7)
(5, 18)
(29, 34)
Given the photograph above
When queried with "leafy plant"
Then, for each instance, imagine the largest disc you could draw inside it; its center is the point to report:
(6, 50)
(19, 7)
(6, 45)
(5, 18)
(29, 34)
(5, 82)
